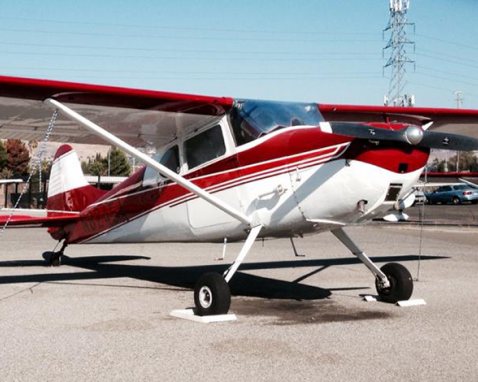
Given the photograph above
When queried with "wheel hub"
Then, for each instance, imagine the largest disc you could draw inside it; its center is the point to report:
(205, 297)
(382, 287)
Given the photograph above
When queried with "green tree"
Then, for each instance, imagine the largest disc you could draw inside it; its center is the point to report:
(467, 161)
(3, 156)
(97, 166)
(18, 157)
(119, 165)
(6, 173)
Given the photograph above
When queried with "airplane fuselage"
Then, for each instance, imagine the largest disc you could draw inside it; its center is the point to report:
(294, 181)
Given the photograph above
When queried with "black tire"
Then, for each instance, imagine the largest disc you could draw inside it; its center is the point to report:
(401, 283)
(212, 295)
(52, 259)
(456, 200)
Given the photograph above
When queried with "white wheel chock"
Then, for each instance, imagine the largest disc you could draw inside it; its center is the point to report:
(403, 304)
(188, 314)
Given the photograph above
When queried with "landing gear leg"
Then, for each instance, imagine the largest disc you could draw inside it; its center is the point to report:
(211, 293)
(393, 281)
(53, 259)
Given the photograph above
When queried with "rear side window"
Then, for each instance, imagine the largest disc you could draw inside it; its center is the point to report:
(444, 189)
(170, 159)
(204, 147)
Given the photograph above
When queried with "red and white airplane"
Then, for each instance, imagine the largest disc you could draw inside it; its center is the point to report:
(227, 168)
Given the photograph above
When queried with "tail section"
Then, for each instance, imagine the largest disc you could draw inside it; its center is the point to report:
(68, 189)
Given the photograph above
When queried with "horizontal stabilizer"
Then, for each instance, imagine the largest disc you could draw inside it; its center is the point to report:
(36, 217)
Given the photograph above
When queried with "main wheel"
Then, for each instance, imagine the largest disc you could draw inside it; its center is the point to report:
(455, 200)
(401, 283)
(212, 295)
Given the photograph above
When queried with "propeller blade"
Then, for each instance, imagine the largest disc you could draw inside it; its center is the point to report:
(412, 135)
(447, 141)
(359, 130)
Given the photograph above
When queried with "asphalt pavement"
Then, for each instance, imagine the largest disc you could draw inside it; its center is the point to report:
(446, 214)
(104, 314)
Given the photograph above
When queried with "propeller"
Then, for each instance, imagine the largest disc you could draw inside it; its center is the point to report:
(412, 135)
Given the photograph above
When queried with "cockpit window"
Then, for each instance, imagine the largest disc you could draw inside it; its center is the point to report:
(168, 158)
(204, 147)
(253, 119)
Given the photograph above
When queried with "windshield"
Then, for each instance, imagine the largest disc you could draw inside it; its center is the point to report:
(253, 119)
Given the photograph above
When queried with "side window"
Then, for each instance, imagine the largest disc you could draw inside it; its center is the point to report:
(204, 147)
(170, 159)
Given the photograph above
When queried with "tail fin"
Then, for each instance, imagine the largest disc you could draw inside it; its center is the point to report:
(68, 189)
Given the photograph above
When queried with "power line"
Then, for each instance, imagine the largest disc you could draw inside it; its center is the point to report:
(451, 61)
(447, 79)
(182, 50)
(449, 42)
(187, 37)
(179, 58)
(301, 73)
(195, 29)
(460, 75)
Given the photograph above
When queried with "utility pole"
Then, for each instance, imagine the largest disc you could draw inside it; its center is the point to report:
(459, 99)
(459, 104)
(398, 59)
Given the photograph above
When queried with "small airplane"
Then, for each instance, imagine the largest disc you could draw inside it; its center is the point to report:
(224, 168)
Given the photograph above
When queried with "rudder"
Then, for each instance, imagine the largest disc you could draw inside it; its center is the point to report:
(68, 189)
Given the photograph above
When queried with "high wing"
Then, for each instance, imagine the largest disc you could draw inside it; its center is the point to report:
(139, 117)
(457, 121)
(147, 117)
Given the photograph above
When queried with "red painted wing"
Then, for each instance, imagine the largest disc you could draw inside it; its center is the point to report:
(139, 117)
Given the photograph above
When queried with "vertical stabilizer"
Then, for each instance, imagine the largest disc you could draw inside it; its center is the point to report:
(68, 189)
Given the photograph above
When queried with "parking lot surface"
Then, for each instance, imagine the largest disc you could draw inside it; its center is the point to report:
(104, 314)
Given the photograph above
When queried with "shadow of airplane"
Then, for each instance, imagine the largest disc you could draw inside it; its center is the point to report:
(242, 284)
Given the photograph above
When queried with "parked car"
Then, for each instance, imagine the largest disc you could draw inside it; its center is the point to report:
(456, 194)
(420, 197)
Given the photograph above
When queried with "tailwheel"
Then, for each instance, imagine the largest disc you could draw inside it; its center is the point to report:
(212, 295)
(52, 259)
(401, 283)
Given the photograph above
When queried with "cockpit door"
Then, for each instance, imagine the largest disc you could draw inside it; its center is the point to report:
(211, 151)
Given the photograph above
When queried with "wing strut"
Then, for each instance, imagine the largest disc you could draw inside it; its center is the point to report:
(251, 237)
(71, 114)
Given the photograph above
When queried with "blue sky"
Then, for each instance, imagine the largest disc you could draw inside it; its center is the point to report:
(324, 50)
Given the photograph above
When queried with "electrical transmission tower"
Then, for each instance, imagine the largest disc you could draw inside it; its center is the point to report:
(397, 26)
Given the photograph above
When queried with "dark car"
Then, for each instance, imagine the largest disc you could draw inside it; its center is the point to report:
(456, 194)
